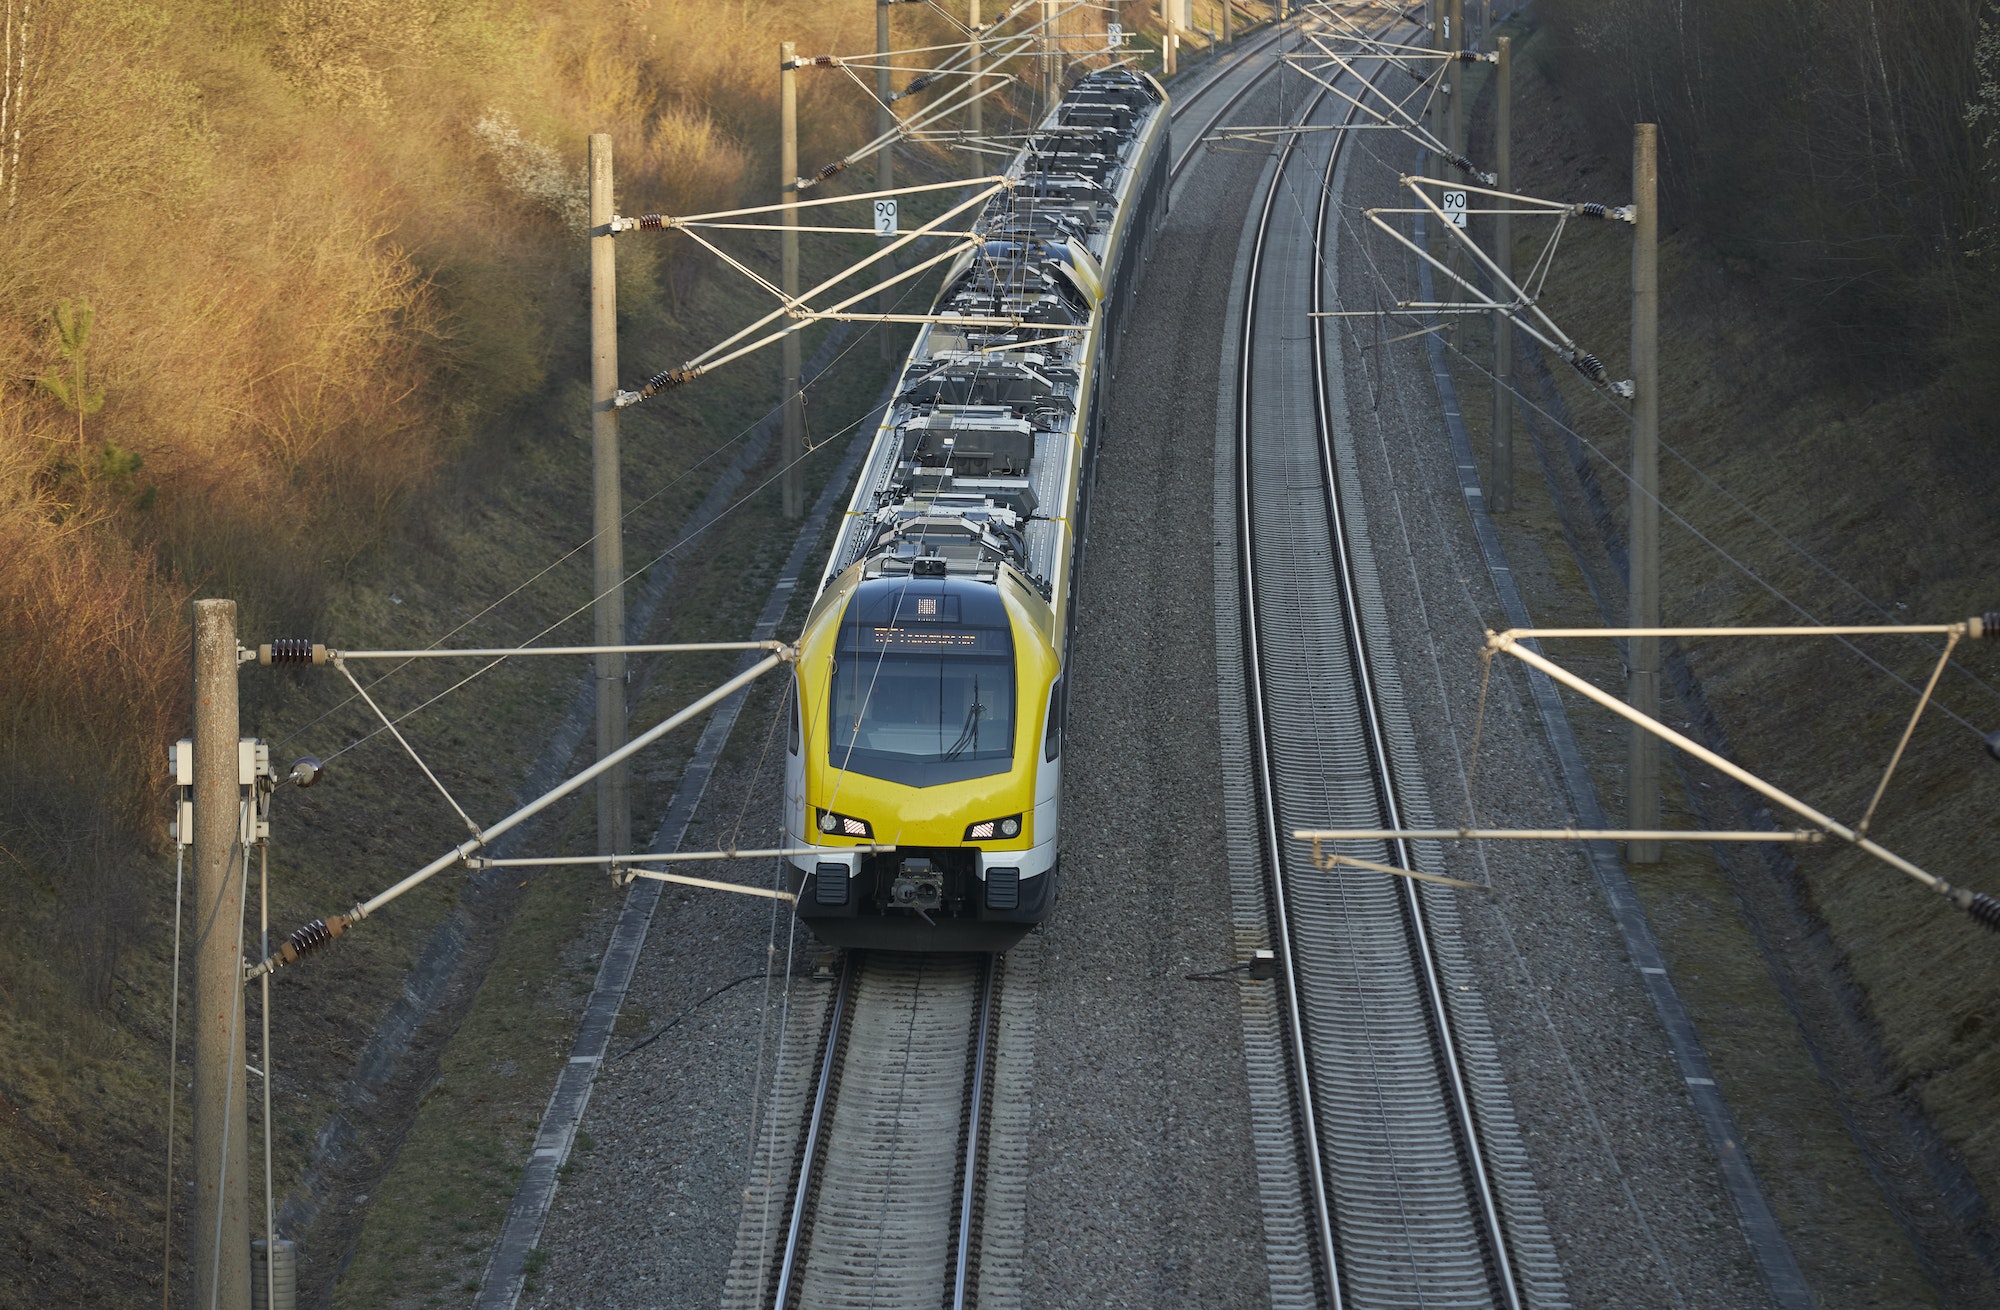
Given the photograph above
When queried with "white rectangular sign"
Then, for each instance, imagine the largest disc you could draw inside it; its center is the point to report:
(1454, 207)
(885, 216)
(1114, 35)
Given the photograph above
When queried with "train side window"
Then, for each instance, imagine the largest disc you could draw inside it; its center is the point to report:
(1052, 736)
(792, 735)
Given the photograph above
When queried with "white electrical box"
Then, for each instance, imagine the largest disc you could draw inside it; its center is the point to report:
(180, 758)
(253, 761)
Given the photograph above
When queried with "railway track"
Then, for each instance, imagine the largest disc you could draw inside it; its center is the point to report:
(884, 1204)
(1228, 103)
(878, 1199)
(1416, 1191)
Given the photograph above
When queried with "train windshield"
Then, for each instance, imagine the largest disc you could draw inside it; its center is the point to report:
(923, 683)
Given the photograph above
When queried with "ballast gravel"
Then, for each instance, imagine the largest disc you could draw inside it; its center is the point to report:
(1137, 1186)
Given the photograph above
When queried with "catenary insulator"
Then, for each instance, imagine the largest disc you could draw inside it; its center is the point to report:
(1590, 366)
(292, 650)
(652, 220)
(666, 381)
(1989, 624)
(310, 938)
(1985, 909)
(1591, 209)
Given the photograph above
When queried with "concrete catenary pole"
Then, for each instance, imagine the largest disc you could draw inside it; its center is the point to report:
(1228, 22)
(1167, 51)
(885, 159)
(975, 118)
(220, 1259)
(614, 809)
(1643, 586)
(1051, 58)
(1454, 41)
(793, 449)
(1503, 255)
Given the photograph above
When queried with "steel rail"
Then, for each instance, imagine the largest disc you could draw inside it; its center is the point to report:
(1451, 1066)
(829, 1066)
(834, 1059)
(1463, 1122)
(975, 1136)
(1317, 1185)
(1222, 75)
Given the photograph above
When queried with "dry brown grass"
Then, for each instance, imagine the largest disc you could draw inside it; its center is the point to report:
(333, 256)
(325, 246)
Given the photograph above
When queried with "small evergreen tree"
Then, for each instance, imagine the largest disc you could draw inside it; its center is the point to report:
(74, 391)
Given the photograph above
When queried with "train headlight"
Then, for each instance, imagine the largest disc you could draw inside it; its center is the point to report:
(988, 829)
(843, 825)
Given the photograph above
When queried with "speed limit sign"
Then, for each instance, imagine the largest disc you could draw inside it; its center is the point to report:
(1114, 35)
(885, 217)
(1454, 207)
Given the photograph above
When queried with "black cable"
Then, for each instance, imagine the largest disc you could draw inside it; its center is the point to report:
(735, 982)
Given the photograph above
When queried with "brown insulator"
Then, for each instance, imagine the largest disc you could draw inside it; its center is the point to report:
(310, 938)
(647, 221)
(292, 650)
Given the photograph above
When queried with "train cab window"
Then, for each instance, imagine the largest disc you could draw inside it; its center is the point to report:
(923, 683)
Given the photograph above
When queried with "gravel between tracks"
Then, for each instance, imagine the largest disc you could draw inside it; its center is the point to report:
(1138, 1182)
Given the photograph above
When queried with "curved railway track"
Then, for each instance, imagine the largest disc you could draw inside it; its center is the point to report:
(1404, 1198)
(1229, 102)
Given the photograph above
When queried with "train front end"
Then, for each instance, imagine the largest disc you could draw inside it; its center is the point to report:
(925, 723)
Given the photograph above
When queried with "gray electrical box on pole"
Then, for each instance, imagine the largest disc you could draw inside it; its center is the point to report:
(1502, 499)
(220, 1259)
(614, 811)
(1643, 586)
(793, 449)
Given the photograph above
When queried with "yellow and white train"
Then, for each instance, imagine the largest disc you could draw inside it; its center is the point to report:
(929, 705)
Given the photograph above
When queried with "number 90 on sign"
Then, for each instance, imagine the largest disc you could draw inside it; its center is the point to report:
(1453, 206)
(885, 216)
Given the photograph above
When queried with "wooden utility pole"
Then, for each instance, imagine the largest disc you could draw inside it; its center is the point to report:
(1502, 499)
(885, 158)
(220, 1259)
(1643, 585)
(793, 449)
(975, 119)
(614, 810)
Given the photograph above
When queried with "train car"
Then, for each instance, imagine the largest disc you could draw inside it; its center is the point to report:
(928, 704)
